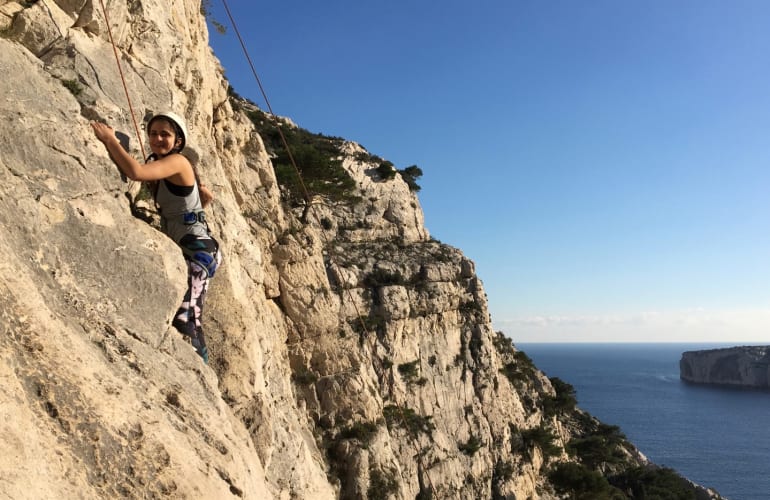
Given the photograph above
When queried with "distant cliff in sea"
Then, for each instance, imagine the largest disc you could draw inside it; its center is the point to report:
(744, 366)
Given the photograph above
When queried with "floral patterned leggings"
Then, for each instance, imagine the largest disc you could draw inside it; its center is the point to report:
(187, 319)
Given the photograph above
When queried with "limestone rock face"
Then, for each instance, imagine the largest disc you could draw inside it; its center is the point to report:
(745, 366)
(351, 355)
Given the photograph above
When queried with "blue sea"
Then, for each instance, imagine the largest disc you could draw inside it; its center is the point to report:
(716, 437)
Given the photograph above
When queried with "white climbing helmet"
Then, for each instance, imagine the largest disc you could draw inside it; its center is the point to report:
(176, 119)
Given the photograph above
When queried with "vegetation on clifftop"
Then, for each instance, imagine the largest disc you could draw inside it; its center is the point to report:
(318, 158)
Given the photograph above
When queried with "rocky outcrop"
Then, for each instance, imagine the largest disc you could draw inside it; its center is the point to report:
(745, 366)
(352, 356)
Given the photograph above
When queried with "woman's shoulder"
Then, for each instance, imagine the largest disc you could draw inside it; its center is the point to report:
(178, 169)
(171, 158)
(179, 157)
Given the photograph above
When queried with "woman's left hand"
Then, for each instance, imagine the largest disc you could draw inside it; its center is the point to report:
(206, 195)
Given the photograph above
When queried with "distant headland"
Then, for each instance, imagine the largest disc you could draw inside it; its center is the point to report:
(742, 366)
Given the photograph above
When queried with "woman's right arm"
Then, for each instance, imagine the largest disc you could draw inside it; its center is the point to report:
(161, 169)
(125, 162)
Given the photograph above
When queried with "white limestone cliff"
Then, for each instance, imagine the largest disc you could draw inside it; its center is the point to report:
(352, 355)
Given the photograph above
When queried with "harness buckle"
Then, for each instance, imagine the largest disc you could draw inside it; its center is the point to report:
(190, 218)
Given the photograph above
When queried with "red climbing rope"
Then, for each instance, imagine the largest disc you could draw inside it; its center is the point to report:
(122, 78)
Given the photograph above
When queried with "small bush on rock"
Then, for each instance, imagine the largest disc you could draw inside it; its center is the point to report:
(406, 418)
(581, 483)
(386, 171)
(471, 446)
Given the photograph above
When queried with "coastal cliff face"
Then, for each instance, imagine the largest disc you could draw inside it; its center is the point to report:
(745, 366)
(352, 355)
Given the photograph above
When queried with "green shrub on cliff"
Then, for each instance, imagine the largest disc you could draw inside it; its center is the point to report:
(519, 371)
(654, 482)
(563, 401)
(543, 438)
(410, 176)
(599, 448)
(318, 157)
(361, 431)
(471, 446)
(382, 484)
(386, 170)
(582, 483)
(406, 418)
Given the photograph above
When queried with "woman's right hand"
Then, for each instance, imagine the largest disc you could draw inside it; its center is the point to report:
(103, 132)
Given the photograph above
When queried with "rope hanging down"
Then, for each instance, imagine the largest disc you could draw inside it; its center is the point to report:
(419, 454)
(122, 78)
(305, 192)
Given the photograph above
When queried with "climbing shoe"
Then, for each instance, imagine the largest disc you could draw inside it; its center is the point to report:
(199, 344)
(203, 352)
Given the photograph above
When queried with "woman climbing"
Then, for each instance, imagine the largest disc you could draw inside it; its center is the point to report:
(180, 199)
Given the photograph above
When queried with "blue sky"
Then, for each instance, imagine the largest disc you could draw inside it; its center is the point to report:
(604, 163)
